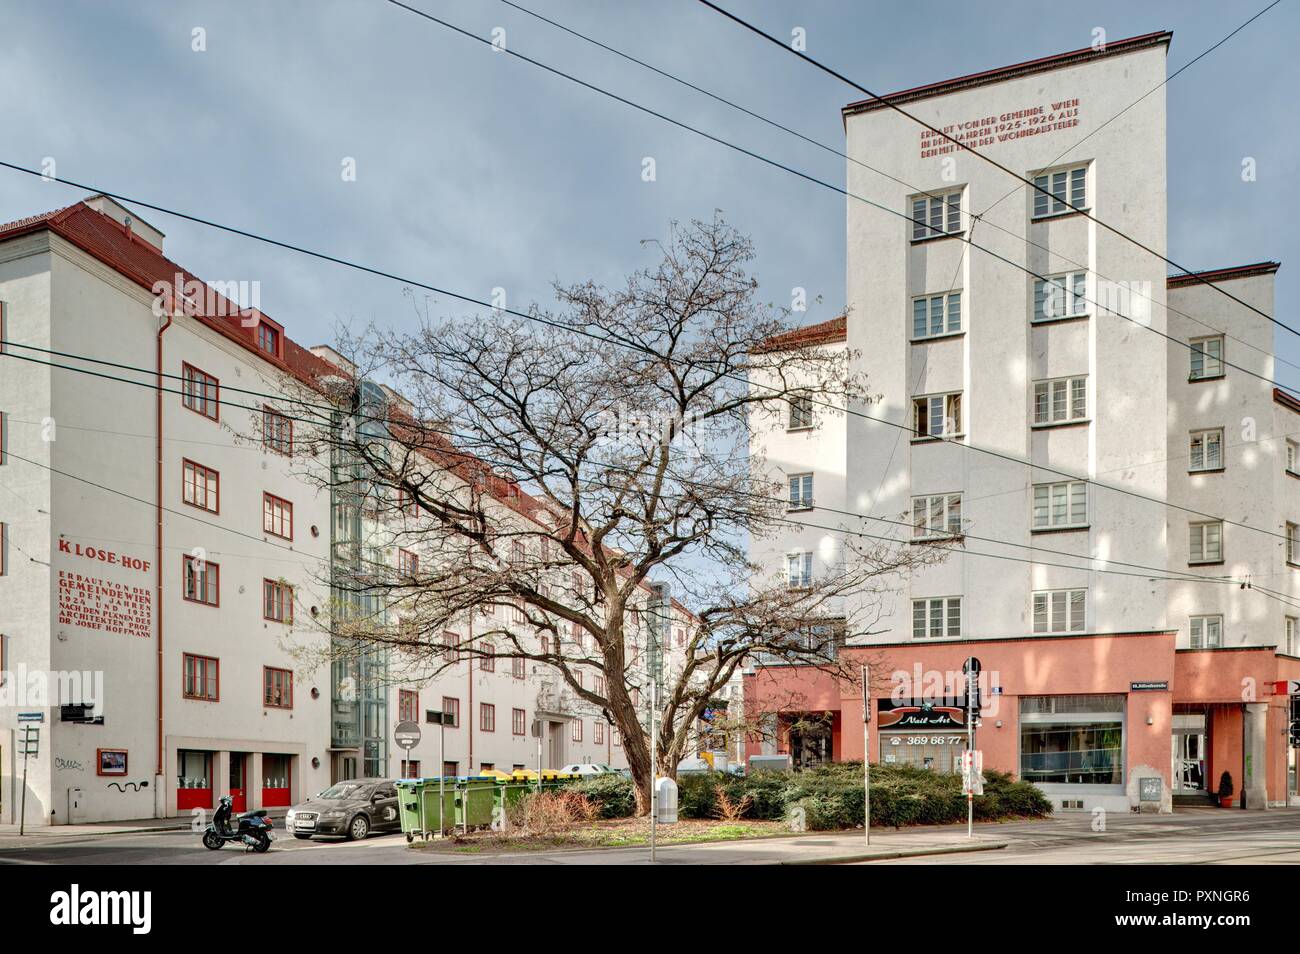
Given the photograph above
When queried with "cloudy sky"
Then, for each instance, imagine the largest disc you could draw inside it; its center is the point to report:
(475, 170)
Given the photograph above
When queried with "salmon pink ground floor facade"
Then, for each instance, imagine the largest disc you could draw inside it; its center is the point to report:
(1122, 722)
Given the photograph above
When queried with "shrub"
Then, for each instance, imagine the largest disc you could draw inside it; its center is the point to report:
(610, 793)
(697, 795)
(542, 813)
(730, 809)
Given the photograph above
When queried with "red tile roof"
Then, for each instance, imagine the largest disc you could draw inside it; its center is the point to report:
(106, 239)
(1223, 274)
(827, 332)
(1002, 73)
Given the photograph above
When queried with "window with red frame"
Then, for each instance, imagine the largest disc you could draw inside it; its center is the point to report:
(488, 661)
(4, 549)
(598, 733)
(577, 677)
(451, 709)
(268, 339)
(546, 645)
(406, 504)
(408, 563)
(408, 705)
(199, 392)
(277, 688)
(277, 431)
(411, 769)
(681, 637)
(618, 739)
(599, 685)
(517, 552)
(201, 678)
(202, 581)
(517, 719)
(277, 601)
(200, 486)
(3, 442)
(449, 642)
(517, 667)
(277, 516)
(487, 717)
(576, 734)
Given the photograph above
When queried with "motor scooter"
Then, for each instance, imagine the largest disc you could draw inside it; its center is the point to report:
(252, 830)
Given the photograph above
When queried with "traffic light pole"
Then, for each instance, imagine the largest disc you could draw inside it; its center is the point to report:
(866, 756)
(971, 676)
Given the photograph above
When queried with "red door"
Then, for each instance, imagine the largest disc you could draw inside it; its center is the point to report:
(238, 783)
(194, 784)
(275, 781)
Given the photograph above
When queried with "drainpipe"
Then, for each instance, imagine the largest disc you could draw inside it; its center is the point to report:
(159, 799)
(470, 714)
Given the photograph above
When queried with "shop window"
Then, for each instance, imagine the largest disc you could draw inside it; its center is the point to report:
(1072, 740)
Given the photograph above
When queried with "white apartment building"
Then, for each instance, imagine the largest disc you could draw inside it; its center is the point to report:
(162, 533)
(1023, 387)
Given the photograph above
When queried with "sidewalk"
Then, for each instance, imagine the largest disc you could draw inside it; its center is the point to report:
(56, 834)
(808, 849)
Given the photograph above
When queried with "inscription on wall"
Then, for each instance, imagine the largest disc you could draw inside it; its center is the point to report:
(94, 602)
(981, 131)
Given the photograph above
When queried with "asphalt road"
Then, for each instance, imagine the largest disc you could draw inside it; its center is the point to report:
(1192, 837)
(1201, 836)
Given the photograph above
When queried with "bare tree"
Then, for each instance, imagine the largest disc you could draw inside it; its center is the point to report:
(553, 474)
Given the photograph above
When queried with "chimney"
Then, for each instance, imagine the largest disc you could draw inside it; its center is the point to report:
(136, 227)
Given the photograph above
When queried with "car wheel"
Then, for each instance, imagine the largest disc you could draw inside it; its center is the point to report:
(358, 828)
(212, 841)
(302, 837)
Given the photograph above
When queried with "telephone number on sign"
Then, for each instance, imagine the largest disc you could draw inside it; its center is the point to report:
(927, 740)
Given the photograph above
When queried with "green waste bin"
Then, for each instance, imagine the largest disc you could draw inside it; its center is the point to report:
(508, 792)
(412, 793)
(475, 799)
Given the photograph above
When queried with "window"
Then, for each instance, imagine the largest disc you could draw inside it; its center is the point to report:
(449, 643)
(451, 712)
(1207, 632)
(277, 431)
(598, 685)
(201, 678)
(936, 617)
(406, 503)
(1061, 505)
(1289, 643)
(576, 731)
(277, 516)
(200, 486)
(1060, 611)
(1292, 451)
(487, 717)
(408, 705)
(937, 415)
(3, 443)
(1292, 543)
(411, 769)
(4, 549)
(1060, 400)
(277, 688)
(268, 339)
(936, 516)
(936, 215)
(517, 668)
(1205, 543)
(798, 569)
(801, 492)
(202, 581)
(517, 613)
(1068, 190)
(598, 732)
(277, 601)
(408, 563)
(1061, 296)
(1207, 449)
(1207, 358)
(936, 315)
(801, 413)
(488, 661)
(518, 552)
(1072, 740)
(518, 718)
(199, 391)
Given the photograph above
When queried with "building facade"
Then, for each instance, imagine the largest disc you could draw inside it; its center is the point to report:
(171, 556)
(1127, 587)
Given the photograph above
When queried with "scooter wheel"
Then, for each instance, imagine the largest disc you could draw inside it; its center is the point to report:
(212, 841)
(263, 844)
(410, 837)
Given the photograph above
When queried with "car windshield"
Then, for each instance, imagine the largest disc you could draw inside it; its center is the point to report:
(346, 790)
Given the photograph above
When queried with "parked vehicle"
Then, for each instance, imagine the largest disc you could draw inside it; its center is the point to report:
(586, 769)
(352, 809)
(252, 830)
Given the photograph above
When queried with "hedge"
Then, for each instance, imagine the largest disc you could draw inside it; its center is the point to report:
(831, 796)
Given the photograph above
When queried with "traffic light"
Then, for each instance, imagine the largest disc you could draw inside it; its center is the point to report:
(972, 670)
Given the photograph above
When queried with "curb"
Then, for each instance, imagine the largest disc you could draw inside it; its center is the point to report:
(891, 855)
